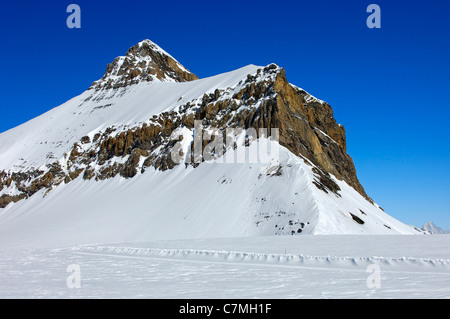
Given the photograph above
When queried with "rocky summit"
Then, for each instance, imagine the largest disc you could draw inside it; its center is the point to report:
(131, 121)
(145, 61)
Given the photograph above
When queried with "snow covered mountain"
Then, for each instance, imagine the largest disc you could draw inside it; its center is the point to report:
(432, 228)
(150, 151)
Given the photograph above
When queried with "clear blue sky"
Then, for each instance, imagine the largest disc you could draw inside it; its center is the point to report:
(389, 87)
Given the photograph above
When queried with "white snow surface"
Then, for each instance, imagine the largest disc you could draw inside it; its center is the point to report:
(272, 267)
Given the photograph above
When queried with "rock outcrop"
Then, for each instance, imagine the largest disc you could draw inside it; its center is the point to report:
(146, 62)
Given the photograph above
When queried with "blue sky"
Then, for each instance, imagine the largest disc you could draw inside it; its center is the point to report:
(389, 87)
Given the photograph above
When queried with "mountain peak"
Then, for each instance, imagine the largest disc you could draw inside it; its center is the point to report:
(144, 62)
(434, 229)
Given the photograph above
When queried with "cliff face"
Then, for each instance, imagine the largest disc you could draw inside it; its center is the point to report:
(307, 127)
(264, 99)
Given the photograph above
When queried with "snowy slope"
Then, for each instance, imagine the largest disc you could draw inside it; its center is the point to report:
(43, 139)
(212, 200)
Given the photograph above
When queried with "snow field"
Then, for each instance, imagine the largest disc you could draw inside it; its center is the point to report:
(407, 263)
(252, 267)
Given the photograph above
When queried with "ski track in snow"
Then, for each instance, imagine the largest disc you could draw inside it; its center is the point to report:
(328, 262)
(234, 268)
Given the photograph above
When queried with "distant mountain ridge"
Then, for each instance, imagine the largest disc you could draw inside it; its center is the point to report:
(432, 228)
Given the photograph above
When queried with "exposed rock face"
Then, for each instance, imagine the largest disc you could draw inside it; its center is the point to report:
(145, 61)
(309, 128)
(264, 100)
